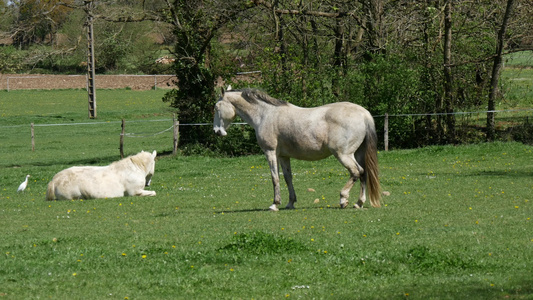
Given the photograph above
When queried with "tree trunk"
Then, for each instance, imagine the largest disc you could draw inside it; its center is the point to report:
(338, 57)
(448, 95)
(496, 68)
(281, 47)
(374, 24)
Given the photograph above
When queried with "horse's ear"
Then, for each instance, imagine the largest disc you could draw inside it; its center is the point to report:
(229, 88)
(222, 90)
(154, 154)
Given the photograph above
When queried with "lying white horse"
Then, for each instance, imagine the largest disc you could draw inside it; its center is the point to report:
(126, 177)
(286, 131)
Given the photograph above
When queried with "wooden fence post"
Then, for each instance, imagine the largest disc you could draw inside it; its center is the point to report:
(386, 132)
(32, 138)
(176, 134)
(121, 147)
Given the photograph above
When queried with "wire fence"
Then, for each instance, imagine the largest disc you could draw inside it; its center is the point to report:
(163, 134)
(418, 130)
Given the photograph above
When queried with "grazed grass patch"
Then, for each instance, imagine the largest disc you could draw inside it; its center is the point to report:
(260, 243)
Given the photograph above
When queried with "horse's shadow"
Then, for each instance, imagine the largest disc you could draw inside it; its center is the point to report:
(281, 209)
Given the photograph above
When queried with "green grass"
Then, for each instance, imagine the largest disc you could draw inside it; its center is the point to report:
(144, 112)
(456, 225)
(517, 88)
(518, 79)
(519, 59)
(64, 106)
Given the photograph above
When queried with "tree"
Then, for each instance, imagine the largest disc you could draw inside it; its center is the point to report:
(448, 93)
(497, 65)
(38, 21)
(196, 23)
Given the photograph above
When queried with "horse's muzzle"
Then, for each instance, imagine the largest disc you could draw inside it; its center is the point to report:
(220, 131)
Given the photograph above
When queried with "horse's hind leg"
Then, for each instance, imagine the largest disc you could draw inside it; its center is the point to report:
(362, 195)
(287, 173)
(349, 162)
(360, 157)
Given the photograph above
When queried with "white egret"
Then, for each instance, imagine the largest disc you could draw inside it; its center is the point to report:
(23, 185)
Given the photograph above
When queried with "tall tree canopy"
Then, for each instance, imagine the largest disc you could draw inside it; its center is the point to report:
(396, 57)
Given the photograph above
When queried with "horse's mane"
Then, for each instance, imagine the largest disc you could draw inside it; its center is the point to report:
(255, 95)
(141, 160)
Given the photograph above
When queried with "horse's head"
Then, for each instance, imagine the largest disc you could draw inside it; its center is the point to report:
(224, 115)
(145, 161)
(150, 168)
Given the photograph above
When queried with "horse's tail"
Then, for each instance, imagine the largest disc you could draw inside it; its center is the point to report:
(50, 192)
(371, 164)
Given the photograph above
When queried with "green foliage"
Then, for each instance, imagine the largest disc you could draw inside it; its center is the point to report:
(194, 98)
(112, 45)
(11, 60)
(241, 140)
(303, 58)
(38, 21)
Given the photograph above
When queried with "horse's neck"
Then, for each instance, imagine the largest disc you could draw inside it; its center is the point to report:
(250, 113)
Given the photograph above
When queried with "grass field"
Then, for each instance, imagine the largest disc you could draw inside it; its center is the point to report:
(456, 225)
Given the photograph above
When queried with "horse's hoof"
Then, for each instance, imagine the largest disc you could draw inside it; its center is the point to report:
(344, 204)
(273, 207)
(356, 206)
(289, 206)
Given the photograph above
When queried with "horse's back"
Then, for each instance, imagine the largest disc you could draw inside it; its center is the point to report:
(126, 177)
(338, 112)
(315, 133)
(84, 183)
(346, 111)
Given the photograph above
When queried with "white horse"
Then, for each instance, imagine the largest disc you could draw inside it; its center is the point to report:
(286, 131)
(126, 177)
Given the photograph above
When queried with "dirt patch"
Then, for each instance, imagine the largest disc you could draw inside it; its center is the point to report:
(51, 82)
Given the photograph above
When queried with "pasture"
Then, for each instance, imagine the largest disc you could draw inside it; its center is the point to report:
(456, 225)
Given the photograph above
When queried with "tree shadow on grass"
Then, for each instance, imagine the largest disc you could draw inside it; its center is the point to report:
(487, 173)
(516, 289)
(90, 161)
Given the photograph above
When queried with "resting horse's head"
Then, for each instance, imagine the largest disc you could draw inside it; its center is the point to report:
(224, 115)
(146, 162)
(151, 168)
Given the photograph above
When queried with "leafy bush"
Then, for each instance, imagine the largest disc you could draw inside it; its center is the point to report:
(10, 60)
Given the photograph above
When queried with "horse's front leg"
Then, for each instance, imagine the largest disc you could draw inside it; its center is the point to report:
(273, 163)
(144, 193)
(287, 173)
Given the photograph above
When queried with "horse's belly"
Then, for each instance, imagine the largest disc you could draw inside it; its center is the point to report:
(304, 152)
(309, 156)
(303, 145)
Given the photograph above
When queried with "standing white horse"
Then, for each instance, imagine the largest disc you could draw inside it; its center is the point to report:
(286, 131)
(126, 177)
